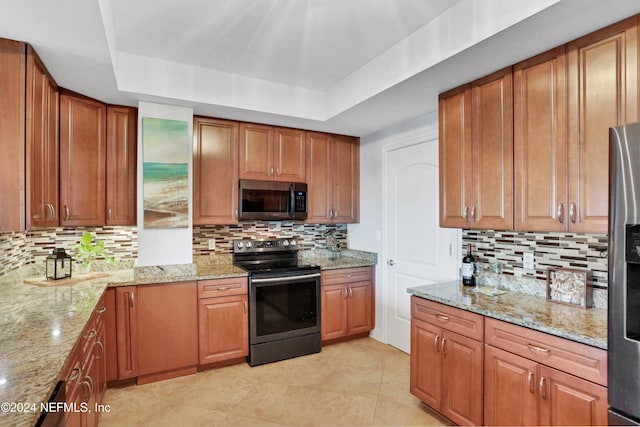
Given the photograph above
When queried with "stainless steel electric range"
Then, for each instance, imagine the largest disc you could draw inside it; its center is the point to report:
(284, 300)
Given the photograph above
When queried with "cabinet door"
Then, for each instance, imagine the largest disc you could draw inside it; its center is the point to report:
(568, 400)
(318, 172)
(127, 332)
(334, 312)
(223, 328)
(82, 160)
(603, 92)
(510, 383)
(426, 369)
(540, 147)
(345, 185)
(122, 128)
(492, 127)
(256, 152)
(167, 327)
(455, 156)
(12, 131)
(42, 147)
(215, 171)
(360, 307)
(110, 332)
(289, 155)
(461, 379)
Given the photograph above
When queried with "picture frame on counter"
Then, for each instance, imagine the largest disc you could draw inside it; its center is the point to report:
(569, 286)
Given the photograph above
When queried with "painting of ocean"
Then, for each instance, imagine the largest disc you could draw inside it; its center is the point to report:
(165, 173)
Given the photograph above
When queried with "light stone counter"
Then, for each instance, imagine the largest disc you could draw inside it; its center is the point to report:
(586, 326)
(39, 327)
(347, 258)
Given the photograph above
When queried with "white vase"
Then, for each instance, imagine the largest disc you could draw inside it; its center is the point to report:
(83, 269)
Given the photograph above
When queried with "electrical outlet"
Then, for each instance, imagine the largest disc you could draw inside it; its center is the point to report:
(212, 244)
(527, 261)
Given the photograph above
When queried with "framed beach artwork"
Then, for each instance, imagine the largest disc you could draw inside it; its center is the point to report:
(165, 151)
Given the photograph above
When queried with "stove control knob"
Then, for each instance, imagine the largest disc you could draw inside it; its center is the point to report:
(293, 243)
(249, 244)
(240, 245)
(285, 243)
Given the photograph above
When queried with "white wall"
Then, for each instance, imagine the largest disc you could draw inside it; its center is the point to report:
(369, 234)
(170, 245)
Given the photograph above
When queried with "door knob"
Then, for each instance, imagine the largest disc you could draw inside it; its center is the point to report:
(391, 262)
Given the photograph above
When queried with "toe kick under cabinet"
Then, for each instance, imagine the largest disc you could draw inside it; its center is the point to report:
(477, 370)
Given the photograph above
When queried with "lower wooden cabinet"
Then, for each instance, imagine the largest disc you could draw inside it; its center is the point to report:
(86, 374)
(223, 320)
(446, 367)
(517, 377)
(167, 330)
(347, 302)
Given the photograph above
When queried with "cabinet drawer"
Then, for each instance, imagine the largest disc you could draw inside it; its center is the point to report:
(456, 320)
(346, 275)
(578, 359)
(222, 287)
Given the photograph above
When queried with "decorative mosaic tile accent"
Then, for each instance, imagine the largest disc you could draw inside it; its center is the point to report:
(14, 250)
(32, 247)
(566, 250)
(309, 236)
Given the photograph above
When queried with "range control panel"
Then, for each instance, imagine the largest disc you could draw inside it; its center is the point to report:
(270, 245)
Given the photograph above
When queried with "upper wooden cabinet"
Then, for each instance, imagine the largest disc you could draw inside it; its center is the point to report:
(271, 154)
(122, 130)
(476, 154)
(564, 102)
(28, 140)
(540, 142)
(12, 131)
(82, 160)
(42, 145)
(603, 92)
(333, 174)
(215, 171)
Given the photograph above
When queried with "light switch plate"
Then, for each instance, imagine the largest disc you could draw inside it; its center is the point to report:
(527, 261)
(212, 244)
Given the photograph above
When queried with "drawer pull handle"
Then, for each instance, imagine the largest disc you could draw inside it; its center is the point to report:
(442, 317)
(530, 382)
(542, 388)
(347, 276)
(74, 374)
(102, 310)
(92, 333)
(444, 349)
(538, 349)
(435, 343)
(223, 288)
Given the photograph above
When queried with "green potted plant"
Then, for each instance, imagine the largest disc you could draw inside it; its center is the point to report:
(87, 251)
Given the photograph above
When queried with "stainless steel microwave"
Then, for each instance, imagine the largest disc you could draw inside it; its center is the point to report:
(271, 200)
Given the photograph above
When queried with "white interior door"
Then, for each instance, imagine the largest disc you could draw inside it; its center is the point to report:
(419, 252)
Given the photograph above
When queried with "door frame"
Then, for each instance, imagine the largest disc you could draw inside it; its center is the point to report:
(403, 141)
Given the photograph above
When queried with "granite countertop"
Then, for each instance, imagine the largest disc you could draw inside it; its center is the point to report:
(39, 327)
(586, 326)
(347, 258)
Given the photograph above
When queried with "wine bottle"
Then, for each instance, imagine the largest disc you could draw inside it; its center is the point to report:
(467, 268)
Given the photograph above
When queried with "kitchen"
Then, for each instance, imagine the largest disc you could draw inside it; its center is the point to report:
(170, 247)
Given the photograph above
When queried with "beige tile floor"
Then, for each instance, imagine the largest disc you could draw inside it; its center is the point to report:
(357, 383)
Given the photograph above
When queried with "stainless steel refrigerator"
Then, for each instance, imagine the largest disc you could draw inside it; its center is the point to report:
(624, 275)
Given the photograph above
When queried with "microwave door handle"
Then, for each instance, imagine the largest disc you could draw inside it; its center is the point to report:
(292, 201)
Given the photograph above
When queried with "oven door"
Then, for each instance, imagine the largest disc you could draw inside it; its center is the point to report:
(282, 307)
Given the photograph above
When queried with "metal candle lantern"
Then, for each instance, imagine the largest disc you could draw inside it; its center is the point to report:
(58, 264)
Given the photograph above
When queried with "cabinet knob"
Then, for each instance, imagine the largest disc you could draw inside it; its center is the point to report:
(572, 212)
(560, 213)
(391, 262)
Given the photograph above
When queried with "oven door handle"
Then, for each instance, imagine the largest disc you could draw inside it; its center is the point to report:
(285, 278)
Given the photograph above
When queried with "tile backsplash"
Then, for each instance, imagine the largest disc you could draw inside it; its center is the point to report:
(26, 247)
(309, 236)
(550, 249)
